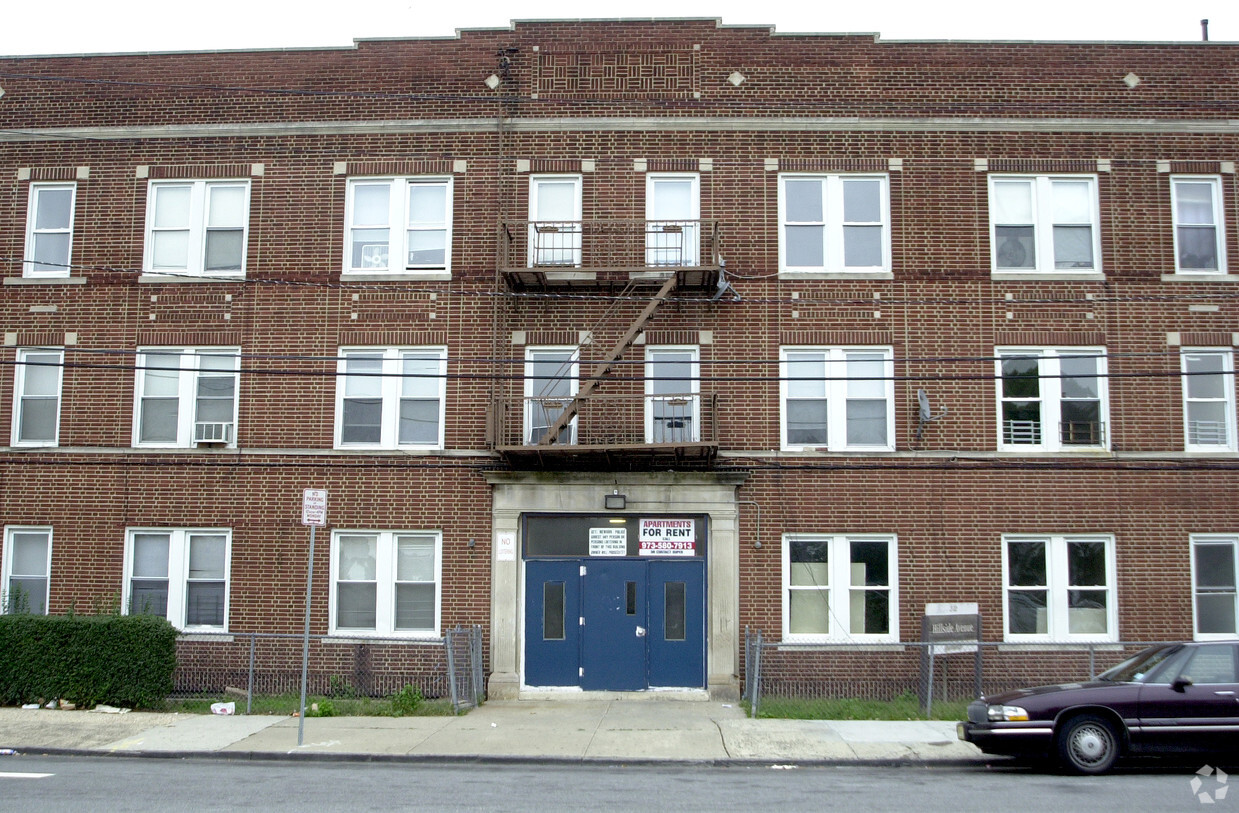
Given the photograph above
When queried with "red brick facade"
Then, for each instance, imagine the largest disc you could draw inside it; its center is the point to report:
(613, 102)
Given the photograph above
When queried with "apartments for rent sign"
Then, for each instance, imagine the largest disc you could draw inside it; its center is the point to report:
(668, 537)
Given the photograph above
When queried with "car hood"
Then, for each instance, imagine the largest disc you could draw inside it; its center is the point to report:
(1064, 691)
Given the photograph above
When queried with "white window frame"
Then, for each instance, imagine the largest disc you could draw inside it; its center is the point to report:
(1043, 223)
(196, 229)
(190, 372)
(11, 531)
(835, 391)
(1050, 389)
(561, 247)
(385, 585)
(533, 386)
(672, 242)
(178, 573)
(833, 224)
(398, 226)
(390, 392)
(1221, 540)
(1218, 223)
(840, 572)
(30, 268)
(20, 397)
(1192, 435)
(693, 395)
(1057, 589)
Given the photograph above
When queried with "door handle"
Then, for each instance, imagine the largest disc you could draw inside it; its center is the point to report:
(1225, 694)
(640, 632)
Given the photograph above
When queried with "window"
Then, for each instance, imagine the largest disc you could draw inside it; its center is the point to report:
(840, 588)
(1051, 399)
(179, 574)
(49, 230)
(36, 408)
(388, 398)
(398, 225)
(672, 382)
(197, 227)
(1059, 588)
(834, 223)
(672, 214)
(385, 582)
(837, 398)
(27, 563)
(186, 396)
(1209, 400)
(1215, 565)
(1198, 236)
(555, 220)
(1044, 223)
(550, 384)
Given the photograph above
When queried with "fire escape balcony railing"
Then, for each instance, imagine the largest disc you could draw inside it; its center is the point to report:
(551, 252)
(606, 422)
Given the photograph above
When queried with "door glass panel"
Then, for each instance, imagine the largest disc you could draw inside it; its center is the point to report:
(675, 602)
(553, 611)
(630, 597)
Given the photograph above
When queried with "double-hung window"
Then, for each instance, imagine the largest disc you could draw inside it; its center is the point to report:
(1199, 244)
(49, 230)
(1051, 399)
(36, 407)
(555, 220)
(840, 587)
(27, 563)
(186, 397)
(399, 225)
(180, 574)
(837, 398)
(1059, 588)
(550, 385)
(834, 223)
(1209, 399)
(390, 398)
(1044, 223)
(672, 228)
(197, 228)
(672, 386)
(1215, 572)
(386, 583)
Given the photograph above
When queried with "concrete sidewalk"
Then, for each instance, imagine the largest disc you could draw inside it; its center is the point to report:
(653, 730)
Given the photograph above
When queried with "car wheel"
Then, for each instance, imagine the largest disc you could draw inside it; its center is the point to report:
(1088, 744)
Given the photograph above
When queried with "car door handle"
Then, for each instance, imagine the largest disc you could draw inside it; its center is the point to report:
(1225, 694)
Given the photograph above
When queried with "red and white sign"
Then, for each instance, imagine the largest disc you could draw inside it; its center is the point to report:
(314, 507)
(667, 537)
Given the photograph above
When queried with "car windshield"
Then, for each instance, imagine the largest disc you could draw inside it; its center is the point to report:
(1141, 666)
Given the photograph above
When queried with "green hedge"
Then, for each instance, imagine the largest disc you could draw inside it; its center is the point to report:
(118, 660)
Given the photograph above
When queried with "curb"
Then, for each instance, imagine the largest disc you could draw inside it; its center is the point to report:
(493, 759)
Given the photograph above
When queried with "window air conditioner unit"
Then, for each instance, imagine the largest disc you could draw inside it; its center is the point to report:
(213, 432)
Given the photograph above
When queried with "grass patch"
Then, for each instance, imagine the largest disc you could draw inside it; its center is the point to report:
(283, 704)
(906, 707)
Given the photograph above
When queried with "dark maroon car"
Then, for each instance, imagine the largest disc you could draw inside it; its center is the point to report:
(1173, 698)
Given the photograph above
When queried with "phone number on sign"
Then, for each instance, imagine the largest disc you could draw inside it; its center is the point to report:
(668, 546)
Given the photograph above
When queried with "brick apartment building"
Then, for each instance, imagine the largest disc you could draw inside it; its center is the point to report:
(618, 338)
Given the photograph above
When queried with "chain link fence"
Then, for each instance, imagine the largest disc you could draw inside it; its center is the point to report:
(257, 663)
(930, 672)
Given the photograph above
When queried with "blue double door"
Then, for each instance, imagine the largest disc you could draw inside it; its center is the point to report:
(615, 624)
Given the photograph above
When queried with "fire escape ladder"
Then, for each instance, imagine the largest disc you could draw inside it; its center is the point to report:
(604, 366)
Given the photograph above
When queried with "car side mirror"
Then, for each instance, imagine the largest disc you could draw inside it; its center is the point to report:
(1181, 683)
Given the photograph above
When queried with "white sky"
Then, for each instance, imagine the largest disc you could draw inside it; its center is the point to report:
(97, 26)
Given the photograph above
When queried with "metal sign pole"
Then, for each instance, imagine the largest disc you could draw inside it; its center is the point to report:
(314, 514)
(305, 640)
